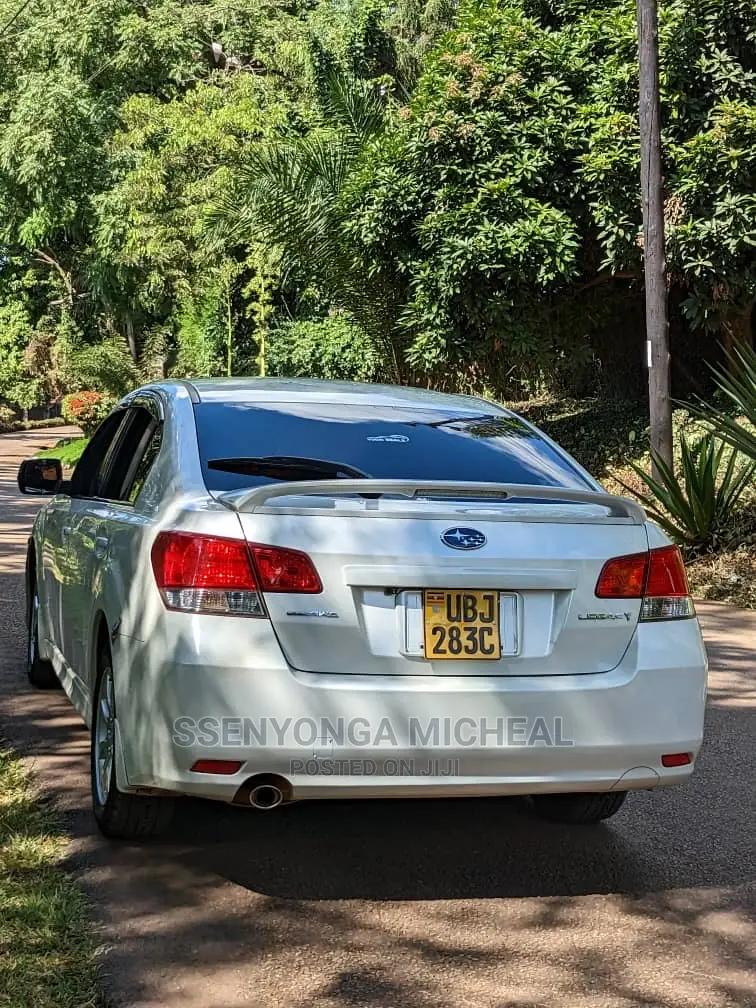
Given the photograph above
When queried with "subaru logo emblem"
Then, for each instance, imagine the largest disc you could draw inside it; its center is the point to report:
(463, 538)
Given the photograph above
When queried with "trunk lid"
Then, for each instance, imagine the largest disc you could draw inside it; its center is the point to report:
(544, 549)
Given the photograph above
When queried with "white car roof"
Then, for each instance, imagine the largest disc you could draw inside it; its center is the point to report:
(250, 390)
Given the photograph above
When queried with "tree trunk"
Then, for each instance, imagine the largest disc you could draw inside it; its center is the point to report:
(737, 331)
(654, 263)
(131, 339)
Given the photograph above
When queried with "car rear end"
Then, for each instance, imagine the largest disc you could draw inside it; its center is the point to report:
(512, 631)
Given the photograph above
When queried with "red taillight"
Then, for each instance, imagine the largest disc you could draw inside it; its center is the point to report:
(623, 577)
(211, 574)
(657, 577)
(186, 560)
(666, 574)
(285, 570)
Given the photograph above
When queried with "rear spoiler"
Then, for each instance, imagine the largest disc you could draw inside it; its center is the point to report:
(249, 501)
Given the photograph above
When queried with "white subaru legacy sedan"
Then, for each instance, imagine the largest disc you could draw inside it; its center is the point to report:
(262, 591)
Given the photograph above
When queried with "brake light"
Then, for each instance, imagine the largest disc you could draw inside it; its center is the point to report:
(656, 576)
(207, 574)
(186, 560)
(666, 574)
(212, 574)
(667, 595)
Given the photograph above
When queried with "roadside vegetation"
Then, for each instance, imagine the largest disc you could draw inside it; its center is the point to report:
(440, 193)
(10, 421)
(47, 953)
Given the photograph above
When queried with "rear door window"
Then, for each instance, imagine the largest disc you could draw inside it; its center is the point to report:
(153, 442)
(91, 470)
(133, 447)
(269, 442)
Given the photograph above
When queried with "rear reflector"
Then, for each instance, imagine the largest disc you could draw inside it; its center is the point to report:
(657, 577)
(226, 577)
(216, 766)
(676, 759)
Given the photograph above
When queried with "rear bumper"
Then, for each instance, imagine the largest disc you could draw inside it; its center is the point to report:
(342, 736)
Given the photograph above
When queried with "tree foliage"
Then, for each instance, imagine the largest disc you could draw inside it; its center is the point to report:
(443, 193)
(504, 199)
(333, 348)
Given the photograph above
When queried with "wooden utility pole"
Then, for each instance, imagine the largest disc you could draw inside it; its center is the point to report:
(654, 263)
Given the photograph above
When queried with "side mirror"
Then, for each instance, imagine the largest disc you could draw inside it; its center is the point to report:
(40, 476)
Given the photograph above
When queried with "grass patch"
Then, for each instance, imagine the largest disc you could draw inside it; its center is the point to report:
(68, 450)
(47, 956)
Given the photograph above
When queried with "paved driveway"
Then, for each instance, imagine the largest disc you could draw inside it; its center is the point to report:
(414, 904)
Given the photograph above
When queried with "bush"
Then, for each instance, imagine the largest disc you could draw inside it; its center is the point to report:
(106, 366)
(39, 424)
(87, 409)
(333, 347)
(7, 419)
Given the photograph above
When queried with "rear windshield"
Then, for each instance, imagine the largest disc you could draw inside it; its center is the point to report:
(380, 442)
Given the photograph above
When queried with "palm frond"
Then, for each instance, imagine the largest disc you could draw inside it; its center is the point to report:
(289, 195)
(738, 384)
(356, 105)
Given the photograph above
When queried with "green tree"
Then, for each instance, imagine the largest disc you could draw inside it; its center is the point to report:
(16, 332)
(503, 201)
(289, 193)
(126, 118)
(104, 366)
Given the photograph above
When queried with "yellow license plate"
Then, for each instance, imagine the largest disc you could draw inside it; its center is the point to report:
(461, 624)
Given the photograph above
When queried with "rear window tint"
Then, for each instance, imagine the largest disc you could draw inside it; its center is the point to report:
(380, 441)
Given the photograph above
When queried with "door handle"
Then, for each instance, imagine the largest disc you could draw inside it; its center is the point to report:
(66, 531)
(101, 546)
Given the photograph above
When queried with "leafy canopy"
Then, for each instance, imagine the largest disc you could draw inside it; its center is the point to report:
(503, 200)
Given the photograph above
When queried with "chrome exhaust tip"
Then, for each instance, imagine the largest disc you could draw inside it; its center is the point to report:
(264, 791)
(265, 796)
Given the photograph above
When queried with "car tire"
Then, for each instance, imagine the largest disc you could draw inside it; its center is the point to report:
(578, 809)
(119, 816)
(40, 673)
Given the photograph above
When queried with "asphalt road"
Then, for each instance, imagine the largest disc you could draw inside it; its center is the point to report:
(456, 904)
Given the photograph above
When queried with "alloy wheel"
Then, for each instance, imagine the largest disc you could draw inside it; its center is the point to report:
(104, 736)
(33, 630)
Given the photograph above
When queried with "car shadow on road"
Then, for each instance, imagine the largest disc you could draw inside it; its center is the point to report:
(394, 849)
(331, 883)
(465, 848)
